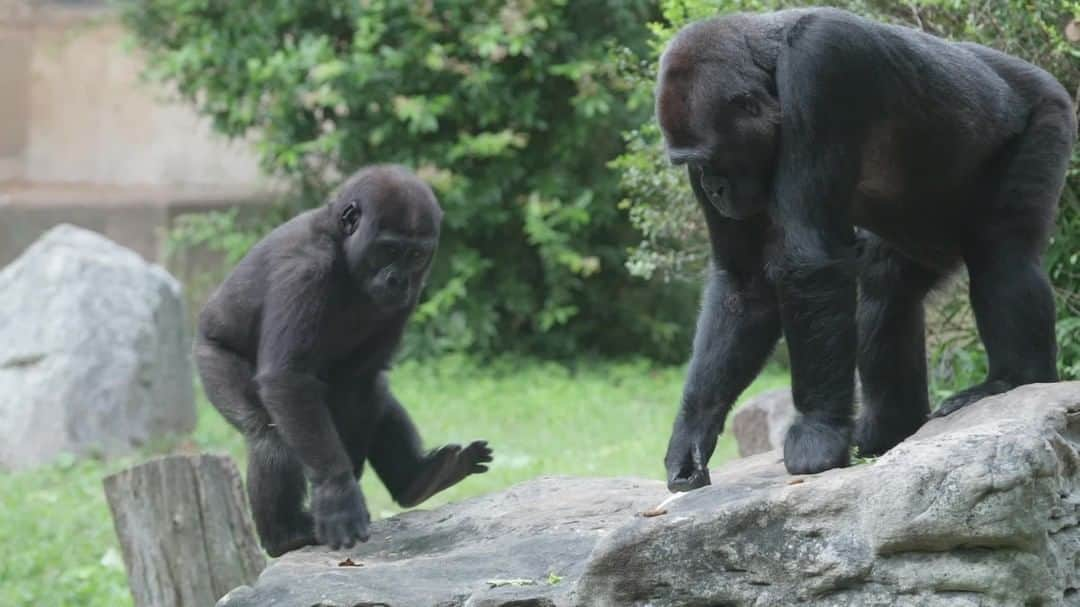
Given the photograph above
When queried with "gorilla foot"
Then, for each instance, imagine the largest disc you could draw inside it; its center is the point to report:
(813, 446)
(970, 395)
(444, 468)
(875, 435)
(291, 537)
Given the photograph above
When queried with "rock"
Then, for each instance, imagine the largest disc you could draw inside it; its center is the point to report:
(94, 355)
(501, 549)
(979, 508)
(761, 423)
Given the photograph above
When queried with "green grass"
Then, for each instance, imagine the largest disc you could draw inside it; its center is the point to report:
(601, 419)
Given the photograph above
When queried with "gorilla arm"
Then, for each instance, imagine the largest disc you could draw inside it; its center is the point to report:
(294, 395)
(813, 266)
(737, 328)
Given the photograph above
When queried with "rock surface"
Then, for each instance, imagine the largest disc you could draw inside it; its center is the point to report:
(94, 357)
(762, 422)
(502, 549)
(979, 508)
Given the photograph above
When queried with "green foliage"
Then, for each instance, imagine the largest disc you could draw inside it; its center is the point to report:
(509, 109)
(662, 207)
(858, 459)
(601, 419)
(1063, 261)
(60, 547)
(219, 231)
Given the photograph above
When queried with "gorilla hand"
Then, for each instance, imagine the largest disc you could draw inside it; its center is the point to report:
(693, 440)
(341, 517)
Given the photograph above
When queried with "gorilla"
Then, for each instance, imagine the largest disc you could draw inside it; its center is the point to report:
(845, 168)
(293, 350)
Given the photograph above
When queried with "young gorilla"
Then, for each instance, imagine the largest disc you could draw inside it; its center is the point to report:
(797, 126)
(293, 349)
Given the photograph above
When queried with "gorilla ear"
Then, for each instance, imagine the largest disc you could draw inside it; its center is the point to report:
(350, 217)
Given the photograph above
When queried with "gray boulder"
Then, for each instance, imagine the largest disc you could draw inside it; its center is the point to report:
(761, 423)
(94, 355)
(979, 508)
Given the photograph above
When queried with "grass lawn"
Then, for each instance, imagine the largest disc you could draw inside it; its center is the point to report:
(601, 419)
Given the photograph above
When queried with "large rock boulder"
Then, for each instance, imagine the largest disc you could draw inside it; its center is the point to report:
(761, 424)
(94, 356)
(979, 508)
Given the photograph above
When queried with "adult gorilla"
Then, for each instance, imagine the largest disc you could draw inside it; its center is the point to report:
(293, 349)
(800, 125)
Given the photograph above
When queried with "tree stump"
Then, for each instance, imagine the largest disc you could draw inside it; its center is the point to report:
(184, 529)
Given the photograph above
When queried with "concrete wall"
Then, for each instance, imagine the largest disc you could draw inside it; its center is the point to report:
(15, 45)
(84, 141)
(72, 108)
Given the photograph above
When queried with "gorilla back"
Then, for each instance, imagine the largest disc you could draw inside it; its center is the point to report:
(845, 168)
(293, 347)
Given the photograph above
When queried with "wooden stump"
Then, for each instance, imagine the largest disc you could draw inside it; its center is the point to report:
(184, 528)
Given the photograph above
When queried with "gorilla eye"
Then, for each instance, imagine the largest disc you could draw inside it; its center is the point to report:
(746, 103)
(350, 217)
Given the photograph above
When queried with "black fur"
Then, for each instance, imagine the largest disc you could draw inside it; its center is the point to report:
(293, 350)
(845, 168)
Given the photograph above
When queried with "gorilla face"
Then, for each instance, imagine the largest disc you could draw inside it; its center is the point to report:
(396, 267)
(719, 116)
(390, 228)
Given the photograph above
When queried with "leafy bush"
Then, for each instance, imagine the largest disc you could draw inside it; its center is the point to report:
(662, 207)
(509, 109)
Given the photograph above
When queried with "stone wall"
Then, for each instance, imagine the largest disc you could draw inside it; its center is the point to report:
(74, 110)
(84, 141)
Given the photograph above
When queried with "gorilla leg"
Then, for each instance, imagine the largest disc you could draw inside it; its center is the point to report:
(892, 345)
(227, 382)
(276, 490)
(275, 478)
(1014, 312)
(409, 474)
(1010, 292)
